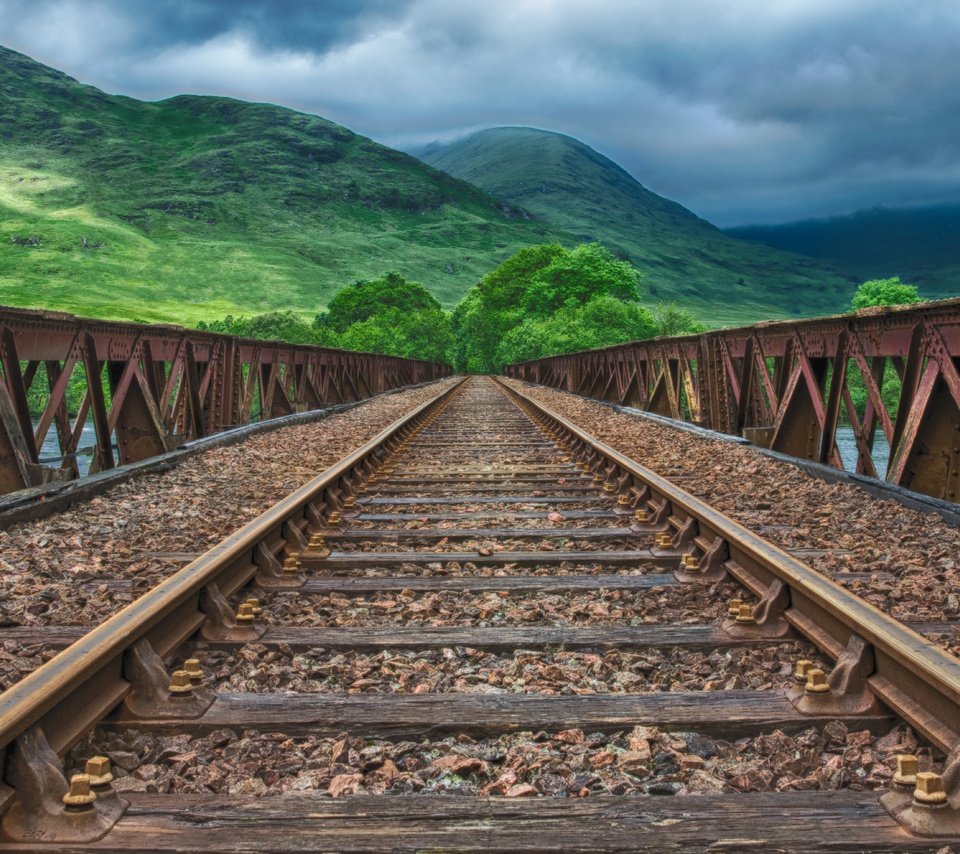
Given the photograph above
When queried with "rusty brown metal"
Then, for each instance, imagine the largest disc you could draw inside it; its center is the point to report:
(120, 661)
(789, 385)
(910, 674)
(151, 388)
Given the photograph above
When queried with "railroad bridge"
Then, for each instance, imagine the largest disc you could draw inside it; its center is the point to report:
(640, 598)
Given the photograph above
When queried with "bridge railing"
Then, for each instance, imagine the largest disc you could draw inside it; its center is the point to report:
(149, 388)
(885, 375)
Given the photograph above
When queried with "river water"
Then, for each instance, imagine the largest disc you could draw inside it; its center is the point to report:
(50, 451)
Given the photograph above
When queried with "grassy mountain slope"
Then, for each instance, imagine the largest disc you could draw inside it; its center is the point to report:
(210, 205)
(921, 245)
(683, 257)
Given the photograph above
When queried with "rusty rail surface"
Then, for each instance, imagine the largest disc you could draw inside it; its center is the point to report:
(912, 675)
(788, 386)
(78, 687)
(150, 388)
(117, 669)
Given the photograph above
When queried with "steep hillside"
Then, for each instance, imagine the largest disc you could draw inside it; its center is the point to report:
(205, 206)
(921, 245)
(683, 257)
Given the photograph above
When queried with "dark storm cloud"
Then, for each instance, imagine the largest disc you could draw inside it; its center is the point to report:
(756, 110)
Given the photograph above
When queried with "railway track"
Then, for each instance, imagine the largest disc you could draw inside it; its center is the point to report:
(483, 600)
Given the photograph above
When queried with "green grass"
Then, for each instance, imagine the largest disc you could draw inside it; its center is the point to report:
(211, 206)
(208, 206)
(681, 256)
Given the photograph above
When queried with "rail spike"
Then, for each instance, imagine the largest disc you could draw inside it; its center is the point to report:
(150, 696)
(270, 573)
(39, 813)
(846, 691)
(221, 623)
(768, 615)
(916, 811)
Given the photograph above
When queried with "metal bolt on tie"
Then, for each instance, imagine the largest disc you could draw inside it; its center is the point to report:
(746, 615)
(255, 606)
(906, 773)
(929, 791)
(100, 772)
(641, 515)
(317, 541)
(733, 610)
(690, 560)
(598, 476)
(349, 501)
(193, 670)
(180, 684)
(245, 615)
(80, 797)
(817, 682)
(623, 500)
(333, 518)
(609, 487)
(804, 666)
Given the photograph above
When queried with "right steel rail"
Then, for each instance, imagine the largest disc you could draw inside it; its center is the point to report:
(876, 654)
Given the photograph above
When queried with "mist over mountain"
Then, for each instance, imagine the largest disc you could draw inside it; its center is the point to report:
(920, 244)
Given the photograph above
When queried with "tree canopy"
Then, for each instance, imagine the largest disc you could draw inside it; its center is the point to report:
(884, 292)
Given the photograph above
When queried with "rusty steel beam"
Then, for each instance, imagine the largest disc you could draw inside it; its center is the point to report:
(789, 385)
(150, 388)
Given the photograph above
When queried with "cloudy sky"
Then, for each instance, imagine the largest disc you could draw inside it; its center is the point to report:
(743, 110)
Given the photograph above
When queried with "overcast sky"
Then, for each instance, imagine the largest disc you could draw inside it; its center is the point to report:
(743, 110)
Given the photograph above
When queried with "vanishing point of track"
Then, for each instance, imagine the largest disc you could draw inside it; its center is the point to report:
(420, 511)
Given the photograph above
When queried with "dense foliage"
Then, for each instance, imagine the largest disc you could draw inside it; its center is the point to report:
(542, 300)
(387, 315)
(884, 292)
(547, 299)
(871, 293)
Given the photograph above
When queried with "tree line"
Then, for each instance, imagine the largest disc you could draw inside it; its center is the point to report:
(542, 300)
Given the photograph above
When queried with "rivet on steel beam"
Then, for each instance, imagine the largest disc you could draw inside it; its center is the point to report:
(193, 670)
(804, 666)
(734, 611)
(929, 791)
(80, 797)
(746, 614)
(255, 607)
(180, 684)
(817, 682)
(245, 615)
(906, 773)
(100, 773)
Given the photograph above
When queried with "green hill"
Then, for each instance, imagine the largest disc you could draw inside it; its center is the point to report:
(921, 245)
(207, 206)
(683, 257)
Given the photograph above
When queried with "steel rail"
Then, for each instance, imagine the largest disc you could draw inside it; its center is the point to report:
(917, 679)
(83, 683)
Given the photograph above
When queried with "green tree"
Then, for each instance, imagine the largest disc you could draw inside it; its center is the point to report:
(604, 320)
(671, 320)
(884, 292)
(362, 300)
(536, 284)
